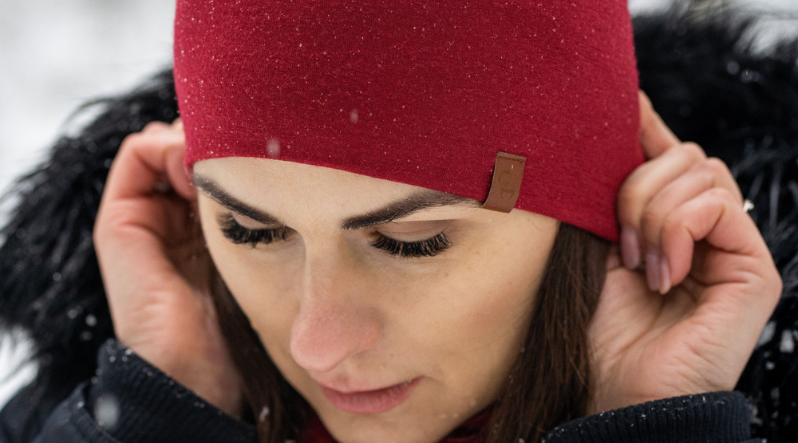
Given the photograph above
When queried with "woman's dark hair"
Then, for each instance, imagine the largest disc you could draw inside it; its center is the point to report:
(548, 384)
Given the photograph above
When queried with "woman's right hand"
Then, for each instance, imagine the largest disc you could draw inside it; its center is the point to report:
(689, 323)
(156, 269)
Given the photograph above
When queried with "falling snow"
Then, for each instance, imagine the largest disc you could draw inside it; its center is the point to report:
(273, 148)
(787, 344)
(106, 412)
(767, 334)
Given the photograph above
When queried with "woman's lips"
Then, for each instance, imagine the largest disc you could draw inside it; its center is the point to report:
(371, 402)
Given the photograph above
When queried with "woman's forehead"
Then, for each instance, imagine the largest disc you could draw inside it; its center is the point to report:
(287, 186)
(270, 175)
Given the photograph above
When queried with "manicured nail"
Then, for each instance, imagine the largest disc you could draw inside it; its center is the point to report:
(653, 270)
(630, 248)
(665, 275)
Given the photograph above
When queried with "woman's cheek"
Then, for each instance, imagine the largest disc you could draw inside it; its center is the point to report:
(488, 301)
(262, 288)
(486, 319)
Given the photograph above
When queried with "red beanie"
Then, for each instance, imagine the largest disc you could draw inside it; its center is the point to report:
(421, 92)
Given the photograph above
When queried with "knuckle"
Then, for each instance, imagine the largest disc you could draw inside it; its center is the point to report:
(721, 194)
(771, 288)
(721, 176)
(671, 224)
(110, 223)
(778, 285)
(716, 164)
(155, 126)
(716, 167)
(131, 141)
(692, 151)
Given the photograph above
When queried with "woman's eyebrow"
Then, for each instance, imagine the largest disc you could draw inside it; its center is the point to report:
(392, 212)
(216, 193)
(403, 208)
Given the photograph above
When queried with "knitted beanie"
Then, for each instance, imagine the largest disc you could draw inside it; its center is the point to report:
(528, 104)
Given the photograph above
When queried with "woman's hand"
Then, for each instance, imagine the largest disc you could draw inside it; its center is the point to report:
(689, 321)
(156, 269)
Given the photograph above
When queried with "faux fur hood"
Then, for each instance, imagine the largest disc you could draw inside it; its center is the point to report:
(700, 71)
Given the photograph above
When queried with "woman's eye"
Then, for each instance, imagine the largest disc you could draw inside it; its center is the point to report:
(240, 235)
(243, 236)
(425, 248)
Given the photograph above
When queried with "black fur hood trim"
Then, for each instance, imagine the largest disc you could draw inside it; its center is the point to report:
(700, 71)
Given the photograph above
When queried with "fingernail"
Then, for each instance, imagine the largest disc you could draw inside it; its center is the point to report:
(653, 270)
(630, 248)
(665, 275)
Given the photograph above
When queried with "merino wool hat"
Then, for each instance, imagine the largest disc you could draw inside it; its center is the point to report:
(532, 101)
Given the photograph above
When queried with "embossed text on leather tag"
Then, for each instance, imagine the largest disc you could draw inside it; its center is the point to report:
(506, 185)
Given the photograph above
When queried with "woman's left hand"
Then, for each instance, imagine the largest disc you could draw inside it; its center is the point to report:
(689, 322)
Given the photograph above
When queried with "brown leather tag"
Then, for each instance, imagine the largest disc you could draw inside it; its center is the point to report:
(506, 185)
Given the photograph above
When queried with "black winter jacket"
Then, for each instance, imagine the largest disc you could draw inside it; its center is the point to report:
(703, 77)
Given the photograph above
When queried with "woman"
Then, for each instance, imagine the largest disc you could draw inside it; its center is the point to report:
(378, 322)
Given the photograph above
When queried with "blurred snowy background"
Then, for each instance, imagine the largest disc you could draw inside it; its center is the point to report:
(57, 54)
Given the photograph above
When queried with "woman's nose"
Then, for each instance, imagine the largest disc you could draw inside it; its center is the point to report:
(334, 321)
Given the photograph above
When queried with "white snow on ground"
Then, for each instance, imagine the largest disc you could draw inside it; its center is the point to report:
(55, 55)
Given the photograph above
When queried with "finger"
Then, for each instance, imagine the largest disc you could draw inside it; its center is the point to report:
(155, 127)
(705, 175)
(641, 186)
(655, 136)
(717, 217)
(649, 178)
(142, 160)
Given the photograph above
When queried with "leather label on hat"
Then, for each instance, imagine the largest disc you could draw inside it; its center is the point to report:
(506, 185)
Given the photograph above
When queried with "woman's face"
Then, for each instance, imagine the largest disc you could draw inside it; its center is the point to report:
(314, 257)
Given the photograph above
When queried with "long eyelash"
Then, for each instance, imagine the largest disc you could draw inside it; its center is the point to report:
(253, 237)
(425, 248)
